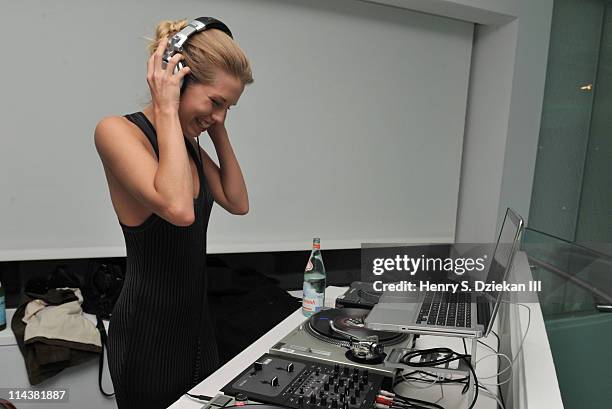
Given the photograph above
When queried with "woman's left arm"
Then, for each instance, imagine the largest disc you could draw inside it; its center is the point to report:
(225, 181)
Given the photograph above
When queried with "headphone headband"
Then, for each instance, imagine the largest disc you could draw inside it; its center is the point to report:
(177, 41)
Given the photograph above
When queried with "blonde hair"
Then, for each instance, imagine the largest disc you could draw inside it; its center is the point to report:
(207, 51)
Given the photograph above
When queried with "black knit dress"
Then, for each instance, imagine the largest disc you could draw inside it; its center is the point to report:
(160, 339)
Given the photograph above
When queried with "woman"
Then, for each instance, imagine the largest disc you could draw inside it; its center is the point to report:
(162, 185)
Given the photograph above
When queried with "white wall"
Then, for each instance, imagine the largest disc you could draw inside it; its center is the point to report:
(526, 106)
(476, 11)
(352, 131)
(504, 108)
(485, 132)
(491, 121)
(506, 135)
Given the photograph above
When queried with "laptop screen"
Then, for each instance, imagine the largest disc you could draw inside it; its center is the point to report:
(501, 262)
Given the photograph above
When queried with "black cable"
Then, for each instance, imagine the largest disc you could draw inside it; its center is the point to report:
(400, 405)
(199, 397)
(209, 398)
(498, 340)
(410, 405)
(464, 346)
(414, 401)
(490, 347)
(443, 381)
(404, 377)
(451, 356)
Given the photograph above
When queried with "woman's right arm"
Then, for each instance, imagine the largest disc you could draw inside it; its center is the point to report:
(166, 188)
(161, 189)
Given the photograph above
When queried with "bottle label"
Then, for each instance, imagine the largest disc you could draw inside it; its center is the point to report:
(2, 311)
(313, 300)
(309, 266)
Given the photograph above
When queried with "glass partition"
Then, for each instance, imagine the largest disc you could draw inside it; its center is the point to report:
(576, 301)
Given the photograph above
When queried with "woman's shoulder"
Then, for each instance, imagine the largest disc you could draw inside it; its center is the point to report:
(113, 123)
(117, 129)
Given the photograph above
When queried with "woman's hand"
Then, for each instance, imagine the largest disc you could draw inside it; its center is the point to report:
(217, 130)
(165, 86)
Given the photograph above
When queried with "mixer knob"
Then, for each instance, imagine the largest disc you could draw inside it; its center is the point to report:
(337, 368)
(301, 391)
(353, 400)
(334, 403)
(365, 375)
(345, 406)
(300, 400)
(313, 398)
(317, 371)
(355, 376)
(326, 385)
(345, 372)
(336, 388)
(274, 381)
(257, 366)
(290, 367)
(351, 384)
(347, 391)
(355, 371)
(340, 382)
(357, 393)
(323, 401)
(321, 393)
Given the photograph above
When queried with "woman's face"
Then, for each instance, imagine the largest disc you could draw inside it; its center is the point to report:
(203, 105)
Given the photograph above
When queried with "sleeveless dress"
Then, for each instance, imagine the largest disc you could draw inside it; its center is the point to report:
(161, 340)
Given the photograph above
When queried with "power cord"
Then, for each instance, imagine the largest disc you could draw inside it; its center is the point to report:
(450, 357)
(458, 381)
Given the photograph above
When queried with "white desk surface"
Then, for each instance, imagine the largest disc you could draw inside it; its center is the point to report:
(452, 393)
(6, 335)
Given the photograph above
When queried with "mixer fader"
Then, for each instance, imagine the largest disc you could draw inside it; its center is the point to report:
(306, 385)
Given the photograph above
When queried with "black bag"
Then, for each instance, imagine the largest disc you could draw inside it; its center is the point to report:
(103, 283)
(61, 277)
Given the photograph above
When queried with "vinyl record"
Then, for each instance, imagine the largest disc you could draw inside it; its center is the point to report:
(351, 321)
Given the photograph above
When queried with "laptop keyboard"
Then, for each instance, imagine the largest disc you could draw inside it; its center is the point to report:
(446, 309)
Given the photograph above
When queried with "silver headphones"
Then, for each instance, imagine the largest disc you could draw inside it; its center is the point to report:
(178, 40)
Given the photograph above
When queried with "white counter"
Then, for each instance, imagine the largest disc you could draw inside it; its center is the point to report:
(534, 383)
(6, 335)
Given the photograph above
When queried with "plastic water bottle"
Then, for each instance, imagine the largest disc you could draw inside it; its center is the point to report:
(314, 281)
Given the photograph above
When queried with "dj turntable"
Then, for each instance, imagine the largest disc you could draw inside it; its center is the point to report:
(330, 361)
(338, 336)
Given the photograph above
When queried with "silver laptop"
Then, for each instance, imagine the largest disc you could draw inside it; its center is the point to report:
(461, 314)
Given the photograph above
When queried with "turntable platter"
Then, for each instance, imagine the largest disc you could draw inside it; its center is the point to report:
(351, 321)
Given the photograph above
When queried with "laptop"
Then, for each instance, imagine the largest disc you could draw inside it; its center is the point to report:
(460, 314)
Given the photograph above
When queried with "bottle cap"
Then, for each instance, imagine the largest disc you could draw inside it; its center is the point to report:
(316, 243)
